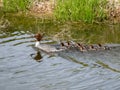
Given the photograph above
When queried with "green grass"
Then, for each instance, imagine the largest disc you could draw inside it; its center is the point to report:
(80, 10)
(15, 5)
(66, 10)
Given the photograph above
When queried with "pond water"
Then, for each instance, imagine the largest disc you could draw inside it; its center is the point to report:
(23, 67)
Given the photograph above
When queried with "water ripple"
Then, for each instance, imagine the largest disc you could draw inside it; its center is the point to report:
(69, 70)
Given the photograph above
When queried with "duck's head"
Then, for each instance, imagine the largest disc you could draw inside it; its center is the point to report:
(38, 36)
(100, 45)
(62, 44)
(91, 47)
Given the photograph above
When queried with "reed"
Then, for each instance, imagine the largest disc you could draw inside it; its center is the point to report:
(15, 5)
(80, 10)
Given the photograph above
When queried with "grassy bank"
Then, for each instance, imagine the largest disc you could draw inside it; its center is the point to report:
(15, 5)
(80, 10)
(88, 11)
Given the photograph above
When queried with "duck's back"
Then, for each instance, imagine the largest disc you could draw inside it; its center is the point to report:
(49, 48)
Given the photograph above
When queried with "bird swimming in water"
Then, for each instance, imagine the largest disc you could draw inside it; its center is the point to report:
(45, 47)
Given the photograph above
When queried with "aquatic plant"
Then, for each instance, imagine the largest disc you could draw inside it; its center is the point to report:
(80, 10)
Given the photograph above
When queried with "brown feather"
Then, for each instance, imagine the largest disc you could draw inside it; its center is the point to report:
(38, 36)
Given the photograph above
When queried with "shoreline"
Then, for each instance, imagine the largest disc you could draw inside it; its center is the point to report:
(45, 9)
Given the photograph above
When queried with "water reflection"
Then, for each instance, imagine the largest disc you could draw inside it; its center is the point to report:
(66, 71)
(37, 56)
(107, 66)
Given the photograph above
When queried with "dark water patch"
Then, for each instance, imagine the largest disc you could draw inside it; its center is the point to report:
(19, 72)
(56, 64)
(76, 61)
(37, 56)
(107, 66)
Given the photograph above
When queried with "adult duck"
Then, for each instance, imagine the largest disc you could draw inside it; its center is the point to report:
(45, 47)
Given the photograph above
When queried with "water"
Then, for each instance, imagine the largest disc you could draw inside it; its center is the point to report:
(22, 67)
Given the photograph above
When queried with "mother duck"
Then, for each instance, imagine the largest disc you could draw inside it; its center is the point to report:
(45, 47)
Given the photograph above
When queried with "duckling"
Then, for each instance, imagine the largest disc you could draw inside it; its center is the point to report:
(91, 47)
(107, 48)
(103, 47)
(100, 46)
(81, 47)
(66, 44)
(70, 44)
(62, 44)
